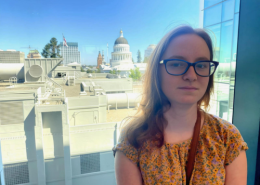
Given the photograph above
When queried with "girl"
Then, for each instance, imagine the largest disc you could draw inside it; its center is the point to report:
(155, 146)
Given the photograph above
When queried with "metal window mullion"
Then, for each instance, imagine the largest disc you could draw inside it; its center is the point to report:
(213, 5)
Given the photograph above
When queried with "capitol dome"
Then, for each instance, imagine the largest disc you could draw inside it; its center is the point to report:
(121, 40)
(121, 54)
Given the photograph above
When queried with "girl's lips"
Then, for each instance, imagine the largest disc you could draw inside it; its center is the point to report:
(189, 89)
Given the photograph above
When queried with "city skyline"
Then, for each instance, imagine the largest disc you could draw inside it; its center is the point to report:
(92, 24)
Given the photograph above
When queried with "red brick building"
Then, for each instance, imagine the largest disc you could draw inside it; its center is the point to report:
(99, 60)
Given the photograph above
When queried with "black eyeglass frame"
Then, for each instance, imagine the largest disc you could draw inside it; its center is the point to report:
(189, 64)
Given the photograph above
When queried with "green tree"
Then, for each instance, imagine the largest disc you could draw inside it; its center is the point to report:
(52, 49)
(139, 57)
(46, 51)
(98, 70)
(81, 69)
(112, 71)
(135, 74)
(89, 71)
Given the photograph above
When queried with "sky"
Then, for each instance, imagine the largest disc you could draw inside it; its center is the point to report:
(93, 24)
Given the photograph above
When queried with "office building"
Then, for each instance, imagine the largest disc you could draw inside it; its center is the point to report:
(149, 50)
(11, 56)
(70, 54)
(34, 54)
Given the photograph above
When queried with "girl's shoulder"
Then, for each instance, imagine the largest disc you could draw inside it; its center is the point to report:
(217, 123)
(217, 128)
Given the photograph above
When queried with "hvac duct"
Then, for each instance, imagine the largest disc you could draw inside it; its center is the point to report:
(8, 70)
(35, 71)
(123, 100)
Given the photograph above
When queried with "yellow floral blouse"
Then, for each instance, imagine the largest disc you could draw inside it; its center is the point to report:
(220, 143)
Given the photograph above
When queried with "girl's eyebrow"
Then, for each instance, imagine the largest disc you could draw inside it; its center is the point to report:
(183, 58)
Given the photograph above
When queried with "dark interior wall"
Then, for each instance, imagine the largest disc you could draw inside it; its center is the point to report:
(247, 85)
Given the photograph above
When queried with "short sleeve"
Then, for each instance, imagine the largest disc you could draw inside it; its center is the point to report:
(127, 149)
(234, 144)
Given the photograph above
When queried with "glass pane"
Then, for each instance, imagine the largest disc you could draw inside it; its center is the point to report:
(214, 32)
(234, 49)
(223, 70)
(237, 6)
(228, 10)
(231, 101)
(208, 3)
(226, 42)
(233, 67)
(212, 15)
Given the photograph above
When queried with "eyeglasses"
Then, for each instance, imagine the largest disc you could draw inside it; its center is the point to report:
(179, 67)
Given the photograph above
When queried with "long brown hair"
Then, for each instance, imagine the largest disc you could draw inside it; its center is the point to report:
(149, 122)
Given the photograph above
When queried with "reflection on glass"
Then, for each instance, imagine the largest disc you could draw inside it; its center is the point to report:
(212, 15)
(234, 50)
(237, 5)
(223, 71)
(231, 102)
(235, 37)
(214, 32)
(228, 10)
(208, 3)
(226, 42)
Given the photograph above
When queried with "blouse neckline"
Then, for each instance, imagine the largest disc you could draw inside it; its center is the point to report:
(189, 140)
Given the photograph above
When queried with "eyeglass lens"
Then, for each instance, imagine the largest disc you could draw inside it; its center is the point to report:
(177, 67)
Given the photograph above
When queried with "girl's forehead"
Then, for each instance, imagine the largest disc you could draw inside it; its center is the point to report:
(187, 46)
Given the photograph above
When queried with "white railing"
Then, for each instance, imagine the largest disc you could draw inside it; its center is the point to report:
(13, 81)
(51, 84)
(53, 92)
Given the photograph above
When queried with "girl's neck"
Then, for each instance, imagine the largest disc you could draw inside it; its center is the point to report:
(181, 119)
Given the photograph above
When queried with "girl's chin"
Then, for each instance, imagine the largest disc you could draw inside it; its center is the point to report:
(186, 101)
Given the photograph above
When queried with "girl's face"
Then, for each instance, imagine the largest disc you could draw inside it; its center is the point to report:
(191, 48)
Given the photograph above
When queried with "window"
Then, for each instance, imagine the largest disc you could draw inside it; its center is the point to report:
(212, 15)
(62, 124)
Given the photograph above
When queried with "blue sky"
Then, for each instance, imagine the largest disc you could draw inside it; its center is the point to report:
(92, 24)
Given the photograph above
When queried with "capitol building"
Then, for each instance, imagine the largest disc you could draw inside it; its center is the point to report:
(121, 54)
(121, 59)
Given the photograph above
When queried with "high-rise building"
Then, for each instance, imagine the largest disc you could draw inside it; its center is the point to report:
(149, 50)
(71, 53)
(11, 56)
(34, 54)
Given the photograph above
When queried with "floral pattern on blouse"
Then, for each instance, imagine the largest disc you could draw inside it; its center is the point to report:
(220, 142)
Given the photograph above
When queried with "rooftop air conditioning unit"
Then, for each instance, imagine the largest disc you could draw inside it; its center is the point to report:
(35, 71)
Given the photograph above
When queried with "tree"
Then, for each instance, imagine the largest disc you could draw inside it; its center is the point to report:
(89, 71)
(81, 69)
(135, 74)
(52, 49)
(112, 71)
(139, 57)
(98, 70)
(46, 51)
